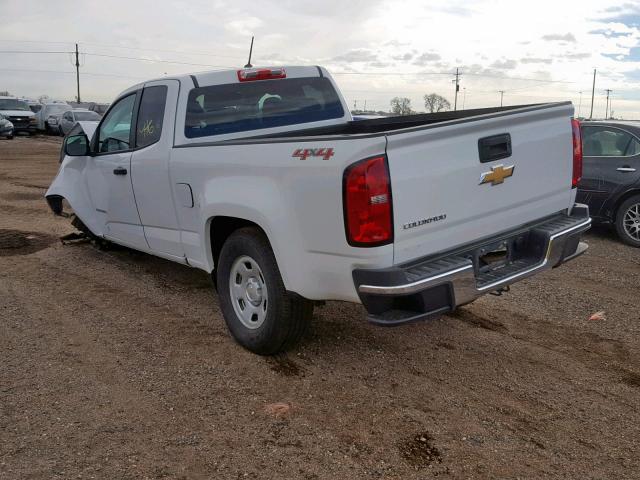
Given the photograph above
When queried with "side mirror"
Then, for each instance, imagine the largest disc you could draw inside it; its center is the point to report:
(76, 145)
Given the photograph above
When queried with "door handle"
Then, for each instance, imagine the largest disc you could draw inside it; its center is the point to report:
(494, 147)
(626, 169)
(120, 171)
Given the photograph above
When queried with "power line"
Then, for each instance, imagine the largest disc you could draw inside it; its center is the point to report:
(153, 60)
(32, 51)
(183, 52)
(70, 73)
(123, 57)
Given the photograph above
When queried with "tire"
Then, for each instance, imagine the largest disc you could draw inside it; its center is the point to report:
(10, 137)
(260, 314)
(628, 221)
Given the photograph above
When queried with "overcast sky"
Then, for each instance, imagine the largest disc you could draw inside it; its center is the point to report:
(534, 51)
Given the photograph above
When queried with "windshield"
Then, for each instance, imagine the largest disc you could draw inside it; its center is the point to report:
(83, 116)
(13, 104)
(239, 107)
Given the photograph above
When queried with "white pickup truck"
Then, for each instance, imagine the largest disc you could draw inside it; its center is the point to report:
(261, 178)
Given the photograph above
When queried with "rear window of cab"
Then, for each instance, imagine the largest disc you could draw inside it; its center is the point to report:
(241, 107)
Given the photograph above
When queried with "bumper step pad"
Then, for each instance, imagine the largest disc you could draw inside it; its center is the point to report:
(435, 285)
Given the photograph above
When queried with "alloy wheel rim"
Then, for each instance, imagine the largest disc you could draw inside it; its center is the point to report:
(248, 291)
(631, 221)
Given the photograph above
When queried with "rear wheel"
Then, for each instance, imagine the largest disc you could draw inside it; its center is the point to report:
(628, 221)
(261, 315)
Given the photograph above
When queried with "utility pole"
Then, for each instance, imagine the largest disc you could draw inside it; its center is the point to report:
(606, 109)
(365, 105)
(593, 92)
(78, 73)
(501, 95)
(455, 101)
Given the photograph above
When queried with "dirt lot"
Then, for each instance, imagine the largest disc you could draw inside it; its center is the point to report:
(117, 365)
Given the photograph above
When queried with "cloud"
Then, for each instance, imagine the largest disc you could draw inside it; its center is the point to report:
(535, 60)
(607, 32)
(575, 56)
(628, 14)
(396, 43)
(633, 55)
(244, 26)
(567, 37)
(379, 64)
(456, 10)
(504, 64)
(426, 58)
(405, 57)
(356, 55)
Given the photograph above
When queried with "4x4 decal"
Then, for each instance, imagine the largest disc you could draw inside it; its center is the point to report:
(304, 153)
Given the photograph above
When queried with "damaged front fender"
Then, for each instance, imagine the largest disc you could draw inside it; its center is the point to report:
(70, 184)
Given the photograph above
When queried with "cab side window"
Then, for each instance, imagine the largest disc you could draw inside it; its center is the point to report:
(115, 131)
(151, 115)
(608, 142)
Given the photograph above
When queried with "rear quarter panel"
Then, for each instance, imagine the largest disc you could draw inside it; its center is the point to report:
(298, 203)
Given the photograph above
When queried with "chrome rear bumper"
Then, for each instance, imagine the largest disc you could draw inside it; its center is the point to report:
(439, 284)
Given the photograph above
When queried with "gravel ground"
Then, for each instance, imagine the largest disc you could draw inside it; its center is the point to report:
(117, 365)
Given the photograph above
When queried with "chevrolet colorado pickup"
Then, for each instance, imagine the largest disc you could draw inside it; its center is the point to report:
(261, 178)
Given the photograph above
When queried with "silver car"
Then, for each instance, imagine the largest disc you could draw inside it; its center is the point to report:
(6, 127)
(69, 118)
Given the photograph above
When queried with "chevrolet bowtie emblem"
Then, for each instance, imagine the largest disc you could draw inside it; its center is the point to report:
(497, 175)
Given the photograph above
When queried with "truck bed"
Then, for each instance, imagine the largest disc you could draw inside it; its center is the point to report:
(387, 125)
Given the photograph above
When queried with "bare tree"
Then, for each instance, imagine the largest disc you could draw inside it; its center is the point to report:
(401, 106)
(434, 103)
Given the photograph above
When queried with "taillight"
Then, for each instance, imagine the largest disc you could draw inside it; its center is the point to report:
(368, 214)
(261, 74)
(577, 153)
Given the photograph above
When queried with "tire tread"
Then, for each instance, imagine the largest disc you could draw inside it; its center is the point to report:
(292, 313)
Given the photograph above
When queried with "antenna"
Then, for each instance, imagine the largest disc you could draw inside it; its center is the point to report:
(248, 65)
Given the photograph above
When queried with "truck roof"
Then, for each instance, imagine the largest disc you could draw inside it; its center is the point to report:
(221, 77)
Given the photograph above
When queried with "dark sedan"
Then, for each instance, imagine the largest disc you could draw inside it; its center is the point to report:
(610, 182)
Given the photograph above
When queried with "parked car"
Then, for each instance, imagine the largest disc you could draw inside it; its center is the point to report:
(34, 105)
(610, 182)
(260, 178)
(6, 127)
(53, 111)
(69, 118)
(19, 114)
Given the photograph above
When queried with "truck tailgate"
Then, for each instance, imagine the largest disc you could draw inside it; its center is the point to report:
(439, 200)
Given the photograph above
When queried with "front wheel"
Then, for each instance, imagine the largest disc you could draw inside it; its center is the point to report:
(261, 315)
(628, 221)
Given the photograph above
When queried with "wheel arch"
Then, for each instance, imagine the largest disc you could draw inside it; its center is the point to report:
(623, 198)
(221, 227)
